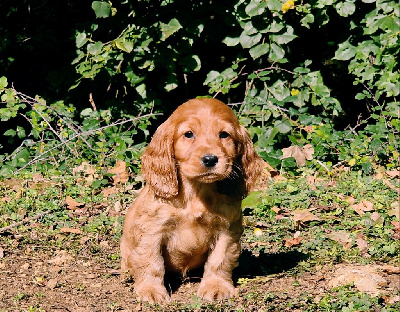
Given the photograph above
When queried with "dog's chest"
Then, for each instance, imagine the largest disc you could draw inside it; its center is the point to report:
(191, 234)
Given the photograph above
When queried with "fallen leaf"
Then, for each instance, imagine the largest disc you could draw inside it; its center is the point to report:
(300, 154)
(109, 191)
(393, 173)
(390, 185)
(87, 170)
(303, 215)
(365, 279)
(1, 252)
(52, 283)
(362, 207)
(37, 177)
(391, 300)
(70, 230)
(290, 242)
(343, 238)
(362, 244)
(350, 200)
(61, 258)
(308, 151)
(377, 218)
(72, 203)
(395, 210)
(120, 172)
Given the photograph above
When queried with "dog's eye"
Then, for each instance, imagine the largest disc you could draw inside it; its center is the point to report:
(189, 135)
(224, 135)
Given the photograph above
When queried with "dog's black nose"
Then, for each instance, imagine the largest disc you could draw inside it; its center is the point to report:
(209, 160)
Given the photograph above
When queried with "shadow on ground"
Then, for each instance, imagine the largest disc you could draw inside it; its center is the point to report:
(250, 265)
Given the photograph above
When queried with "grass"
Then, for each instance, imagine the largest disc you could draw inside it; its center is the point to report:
(296, 231)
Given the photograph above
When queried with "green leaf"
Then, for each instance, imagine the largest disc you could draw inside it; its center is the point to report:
(21, 132)
(283, 126)
(274, 5)
(190, 63)
(94, 48)
(275, 27)
(259, 50)
(171, 83)
(231, 42)
(345, 51)
(307, 20)
(169, 29)
(101, 9)
(345, 8)
(133, 78)
(285, 37)
(21, 158)
(249, 41)
(10, 132)
(276, 52)
(141, 90)
(80, 40)
(211, 76)
(124, 45)
(3, 83)
(255, 7)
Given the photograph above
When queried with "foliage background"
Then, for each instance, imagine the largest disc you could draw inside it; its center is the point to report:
(90, 81)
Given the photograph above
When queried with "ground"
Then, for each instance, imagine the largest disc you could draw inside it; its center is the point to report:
(309, 245)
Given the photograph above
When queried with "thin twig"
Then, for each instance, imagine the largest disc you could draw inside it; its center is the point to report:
(88, 132)
(26, 220)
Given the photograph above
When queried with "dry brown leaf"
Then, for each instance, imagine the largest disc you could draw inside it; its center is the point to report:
(73, 204)
(308, 151)
(363, 206)
(1, 252)
(109, 191)
(87, 170)
(365, 279)
(300, 154)
(362, 244)
(343, 238)
(303, 215)
(391, 300)
(350, 200)
(70, 230)
(377, 218)
(395, 210)
(52, 283)
(390, 185)
(120, 172)
(61, 258)
(289, 242)
(393, 173)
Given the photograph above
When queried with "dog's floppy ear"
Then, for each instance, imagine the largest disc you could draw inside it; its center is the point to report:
(158, 162)
(251, 163)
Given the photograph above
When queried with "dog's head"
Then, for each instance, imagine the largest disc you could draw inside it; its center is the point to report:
(201, 141)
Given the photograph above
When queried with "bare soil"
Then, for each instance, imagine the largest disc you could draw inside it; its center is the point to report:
(38, 278)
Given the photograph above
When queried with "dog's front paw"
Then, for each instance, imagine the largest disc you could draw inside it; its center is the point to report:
(152, 293)
(216, 288)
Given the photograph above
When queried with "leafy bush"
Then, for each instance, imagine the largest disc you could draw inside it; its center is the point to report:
(278, 82)
(320, 72)
(60, 137)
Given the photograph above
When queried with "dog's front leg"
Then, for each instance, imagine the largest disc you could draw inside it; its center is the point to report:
(217, 279)
(148, 270)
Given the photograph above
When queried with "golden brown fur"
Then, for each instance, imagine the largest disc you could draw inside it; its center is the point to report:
(198, 166)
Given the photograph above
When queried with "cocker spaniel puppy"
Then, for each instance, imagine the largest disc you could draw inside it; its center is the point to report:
(198, 166)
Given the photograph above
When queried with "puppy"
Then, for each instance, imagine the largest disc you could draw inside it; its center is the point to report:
(198, 166)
